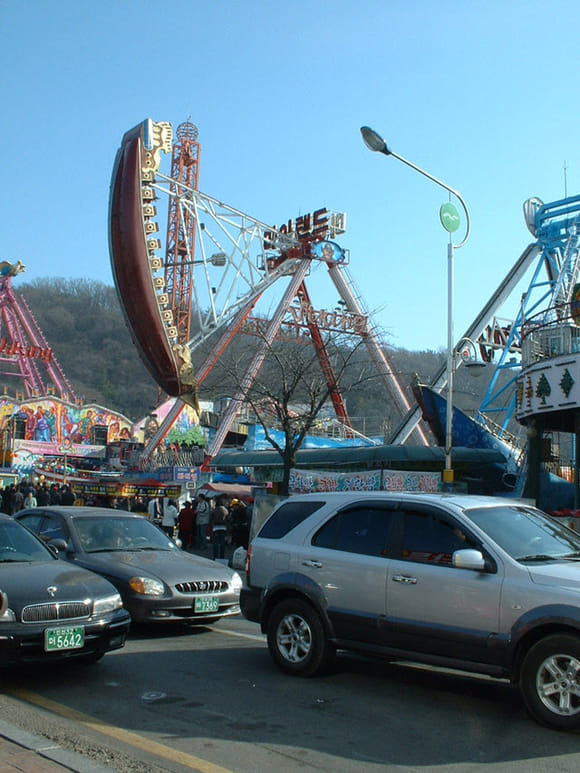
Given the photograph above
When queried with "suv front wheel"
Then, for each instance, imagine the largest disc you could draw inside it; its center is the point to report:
(550, 681)
(297, 640)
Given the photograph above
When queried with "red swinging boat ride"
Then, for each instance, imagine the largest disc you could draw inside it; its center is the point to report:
(218, 262)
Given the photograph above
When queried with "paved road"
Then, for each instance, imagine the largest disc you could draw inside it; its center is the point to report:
(211, 700)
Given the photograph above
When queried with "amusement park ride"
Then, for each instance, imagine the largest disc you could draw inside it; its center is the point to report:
(216, 262)
(26, 359)
(190, 276)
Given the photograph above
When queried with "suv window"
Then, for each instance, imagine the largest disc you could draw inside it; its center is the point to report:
(287, 517)
(429, 539)
(361, 530)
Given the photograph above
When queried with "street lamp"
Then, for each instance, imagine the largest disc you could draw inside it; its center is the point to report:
(467, 353)
(450, 221)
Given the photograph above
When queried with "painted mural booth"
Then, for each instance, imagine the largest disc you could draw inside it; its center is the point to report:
(50, 427)
(185, 429)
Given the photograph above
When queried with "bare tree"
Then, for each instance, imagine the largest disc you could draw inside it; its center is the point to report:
(292, 387)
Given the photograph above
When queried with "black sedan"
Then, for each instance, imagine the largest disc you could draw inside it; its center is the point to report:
(157, 580)
(51, 611)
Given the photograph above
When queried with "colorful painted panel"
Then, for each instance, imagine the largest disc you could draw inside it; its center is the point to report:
(400, 480)
(186, 427)
(50, 420)
(306, 481)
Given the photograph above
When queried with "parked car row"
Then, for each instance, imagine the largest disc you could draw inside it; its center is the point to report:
(481, 584)
(74, 578)
(51, 610)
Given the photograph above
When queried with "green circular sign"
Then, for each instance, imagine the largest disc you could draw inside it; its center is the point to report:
(449, 217)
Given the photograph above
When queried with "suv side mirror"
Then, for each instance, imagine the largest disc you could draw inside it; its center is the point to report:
(468, 559)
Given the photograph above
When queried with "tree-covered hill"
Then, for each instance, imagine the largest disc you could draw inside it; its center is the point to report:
(83, 323)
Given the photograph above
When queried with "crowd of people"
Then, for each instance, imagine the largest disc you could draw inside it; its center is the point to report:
(220, 521)
(200, 523)
(24, 495)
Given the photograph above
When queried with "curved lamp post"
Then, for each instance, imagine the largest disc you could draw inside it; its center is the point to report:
(450, 221)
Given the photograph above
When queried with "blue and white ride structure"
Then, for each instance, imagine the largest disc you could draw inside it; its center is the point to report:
(552, 264)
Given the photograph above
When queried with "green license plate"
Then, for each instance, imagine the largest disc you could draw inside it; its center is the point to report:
(64, 638)
(206, 604)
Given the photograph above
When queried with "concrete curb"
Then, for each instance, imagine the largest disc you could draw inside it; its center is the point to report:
(46, 748)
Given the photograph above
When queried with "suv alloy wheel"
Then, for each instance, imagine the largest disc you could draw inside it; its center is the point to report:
(550, 681)
(297, 640)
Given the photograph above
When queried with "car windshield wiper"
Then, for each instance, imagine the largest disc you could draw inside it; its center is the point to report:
(16, 560)
(573, 556)
(537, 557)
(107, 550)
(139, 548)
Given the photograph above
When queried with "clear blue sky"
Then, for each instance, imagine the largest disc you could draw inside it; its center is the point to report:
(483, 95)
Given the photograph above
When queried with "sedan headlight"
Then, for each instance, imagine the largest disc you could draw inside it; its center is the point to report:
(237, 582)
(107, 604)
(147, 586)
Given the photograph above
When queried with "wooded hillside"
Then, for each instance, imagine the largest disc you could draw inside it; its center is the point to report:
(83, 323)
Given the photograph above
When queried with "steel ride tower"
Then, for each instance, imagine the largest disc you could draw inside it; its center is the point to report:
(237, 259)
(180, 247)
(27, 362)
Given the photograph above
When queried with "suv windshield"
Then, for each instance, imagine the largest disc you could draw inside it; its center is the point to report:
(525, 533)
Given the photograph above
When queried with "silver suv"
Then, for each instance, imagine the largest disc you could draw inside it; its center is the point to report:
(481, 584)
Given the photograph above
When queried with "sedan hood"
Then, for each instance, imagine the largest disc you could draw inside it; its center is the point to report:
(562, 573)
(27, 583)
(171, 566)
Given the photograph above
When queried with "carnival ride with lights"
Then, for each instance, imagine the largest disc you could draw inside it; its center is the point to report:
(42, 423)
(218, 261)
(28, 362)
(552, 264)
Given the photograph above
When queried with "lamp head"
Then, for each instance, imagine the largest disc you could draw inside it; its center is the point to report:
(468, 354)
(475, 367)
(374, 141)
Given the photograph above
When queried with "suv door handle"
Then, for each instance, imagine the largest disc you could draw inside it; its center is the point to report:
(312, 564)
(405, 579)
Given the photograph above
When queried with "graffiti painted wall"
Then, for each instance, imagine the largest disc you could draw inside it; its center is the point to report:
(312, 481)
(307, 481)
(400, 480)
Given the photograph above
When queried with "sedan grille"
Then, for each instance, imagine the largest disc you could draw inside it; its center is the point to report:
(202, 586)
(56, 610)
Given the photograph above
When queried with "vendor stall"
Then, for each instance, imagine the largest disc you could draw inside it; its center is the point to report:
(126, 494)
(243, 492)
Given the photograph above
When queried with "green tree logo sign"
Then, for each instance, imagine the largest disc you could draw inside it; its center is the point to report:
(543, 389)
